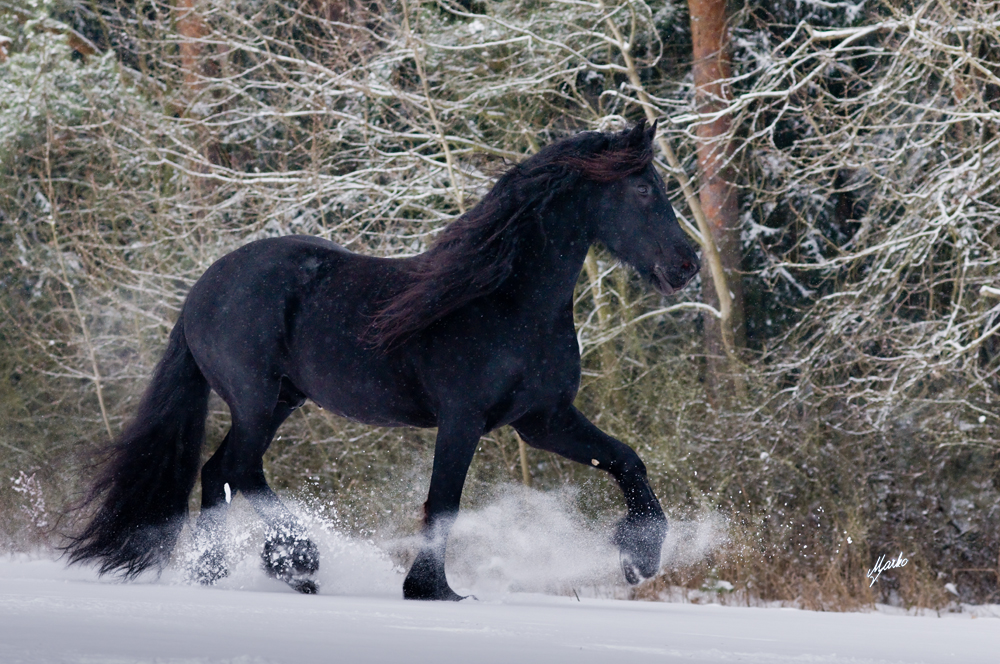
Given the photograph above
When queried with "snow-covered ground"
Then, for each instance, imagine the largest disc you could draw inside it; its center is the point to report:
(49, 615)
(526, 556)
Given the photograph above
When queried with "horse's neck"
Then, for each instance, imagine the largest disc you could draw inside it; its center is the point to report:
(548, 265)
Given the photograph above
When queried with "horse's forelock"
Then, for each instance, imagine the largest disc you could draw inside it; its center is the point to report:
(613, 164)
(616, 156)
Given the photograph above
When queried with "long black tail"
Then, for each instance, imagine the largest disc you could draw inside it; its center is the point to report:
(143, 489)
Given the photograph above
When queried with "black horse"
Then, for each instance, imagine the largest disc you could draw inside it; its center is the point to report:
(474, 334)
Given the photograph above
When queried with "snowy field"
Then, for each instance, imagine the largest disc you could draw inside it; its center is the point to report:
(50, 615)
(526, 557)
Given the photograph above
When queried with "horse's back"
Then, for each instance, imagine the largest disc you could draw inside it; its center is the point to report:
(238, 314)
(297, 308)
(263, 274)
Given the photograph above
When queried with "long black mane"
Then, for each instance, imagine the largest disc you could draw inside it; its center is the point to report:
(475, 253)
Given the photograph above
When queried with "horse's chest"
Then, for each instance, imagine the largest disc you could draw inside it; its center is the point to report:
(501, 369)
(552, 372)
(521, 379)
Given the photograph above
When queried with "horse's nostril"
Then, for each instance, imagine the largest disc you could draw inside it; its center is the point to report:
(687, 269)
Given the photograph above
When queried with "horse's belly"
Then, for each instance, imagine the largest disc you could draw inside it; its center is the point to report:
(367, 394)
(369, 411)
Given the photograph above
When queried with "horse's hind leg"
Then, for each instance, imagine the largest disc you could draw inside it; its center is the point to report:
(215, 496)
(238, 466)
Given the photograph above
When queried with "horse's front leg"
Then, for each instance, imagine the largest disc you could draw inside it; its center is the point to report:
(568, 433)
(456, 443)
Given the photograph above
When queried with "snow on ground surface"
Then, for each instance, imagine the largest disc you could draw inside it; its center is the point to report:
(526, 555)
(49, 614)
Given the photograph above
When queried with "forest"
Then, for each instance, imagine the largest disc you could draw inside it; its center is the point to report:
(827, 388)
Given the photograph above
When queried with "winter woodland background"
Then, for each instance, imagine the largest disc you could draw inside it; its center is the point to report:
(829, 385)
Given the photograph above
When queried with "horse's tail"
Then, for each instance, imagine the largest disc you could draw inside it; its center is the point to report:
(143, 489)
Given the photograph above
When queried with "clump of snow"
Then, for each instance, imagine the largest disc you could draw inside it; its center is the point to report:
(717, 586)
(34, 500)
(530, 541)
(690, 541)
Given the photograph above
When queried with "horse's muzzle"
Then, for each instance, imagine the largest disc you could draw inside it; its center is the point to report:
(669, 284)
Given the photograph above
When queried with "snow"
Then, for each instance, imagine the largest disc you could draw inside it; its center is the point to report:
(544, 577)
(51, 614)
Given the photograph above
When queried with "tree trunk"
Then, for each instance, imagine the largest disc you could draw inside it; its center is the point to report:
(191, 29)
(720, 332)
(717, 194)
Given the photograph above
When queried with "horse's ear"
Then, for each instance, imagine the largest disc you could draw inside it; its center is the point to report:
(651, 132)
(638, 134)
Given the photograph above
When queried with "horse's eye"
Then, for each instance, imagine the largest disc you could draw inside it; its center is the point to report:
(644, 189)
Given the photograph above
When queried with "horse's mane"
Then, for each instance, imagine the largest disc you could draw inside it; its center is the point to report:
(475, 253)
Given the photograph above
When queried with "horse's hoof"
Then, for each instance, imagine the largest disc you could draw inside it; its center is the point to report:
(631, 572)
(292, 559)
(640, 540)
(304, 586)
(445, 594)
(427, 581)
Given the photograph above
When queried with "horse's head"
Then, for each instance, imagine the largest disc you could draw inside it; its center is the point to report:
(637, 224)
